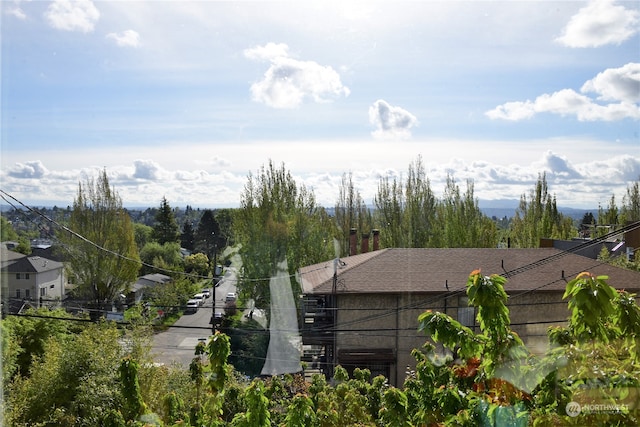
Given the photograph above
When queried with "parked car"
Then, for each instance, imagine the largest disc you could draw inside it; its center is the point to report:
(206, 293)
(199, 297)
(231, 296)
(192, 306)
(216, 319)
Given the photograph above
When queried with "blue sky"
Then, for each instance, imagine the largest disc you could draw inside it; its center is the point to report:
(183, 100)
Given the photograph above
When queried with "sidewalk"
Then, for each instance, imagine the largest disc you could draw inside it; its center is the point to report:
(251, 312)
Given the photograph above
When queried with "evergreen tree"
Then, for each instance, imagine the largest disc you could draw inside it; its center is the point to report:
(187, 238)
(587, 224)
(165, 229)
(225, 221)
(208, 239)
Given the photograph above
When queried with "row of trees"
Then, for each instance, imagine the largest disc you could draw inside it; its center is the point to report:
(280, 220)
(105, 251)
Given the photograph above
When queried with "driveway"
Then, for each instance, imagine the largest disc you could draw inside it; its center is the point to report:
(177, 344)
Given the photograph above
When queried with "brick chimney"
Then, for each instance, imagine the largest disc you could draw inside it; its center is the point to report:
(376, 239)
(353, 240)
(365, 243)
(632, 237)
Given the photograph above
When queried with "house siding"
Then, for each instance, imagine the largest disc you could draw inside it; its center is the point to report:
(380, 296)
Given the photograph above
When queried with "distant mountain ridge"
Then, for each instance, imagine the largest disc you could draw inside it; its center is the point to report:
(498, 208)
(507, 207)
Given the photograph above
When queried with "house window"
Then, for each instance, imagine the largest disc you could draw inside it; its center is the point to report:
(27, 294)
(17, 293)
(26, 276)
(465, 313)
(17, 276)
(43, 292)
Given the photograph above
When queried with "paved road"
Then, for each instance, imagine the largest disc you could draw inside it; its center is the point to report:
(177, 344)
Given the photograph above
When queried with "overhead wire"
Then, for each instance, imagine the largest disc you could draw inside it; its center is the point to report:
(338, 328)
(4, 195)
(507, 274)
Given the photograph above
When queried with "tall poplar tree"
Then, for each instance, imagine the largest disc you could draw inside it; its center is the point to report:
(351, 213)
(103, 255)
(537, 216)
(420, 212)
(630, 211)
(460, 222)
(390, 211)
(277, 221)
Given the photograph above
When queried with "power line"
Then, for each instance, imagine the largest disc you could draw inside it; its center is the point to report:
(388, 312)
(506, 274)
(113, 253)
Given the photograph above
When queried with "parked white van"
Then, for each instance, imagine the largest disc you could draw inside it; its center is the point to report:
(199, 297)
(192, 306)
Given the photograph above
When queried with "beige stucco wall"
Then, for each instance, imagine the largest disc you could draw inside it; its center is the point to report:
(378, 321)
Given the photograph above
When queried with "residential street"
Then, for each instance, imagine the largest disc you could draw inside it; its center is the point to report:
(177, 344)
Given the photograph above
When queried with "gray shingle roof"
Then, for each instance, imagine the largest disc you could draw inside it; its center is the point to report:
(33, 264)
(426, 270)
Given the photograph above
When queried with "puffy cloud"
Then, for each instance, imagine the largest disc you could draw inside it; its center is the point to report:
(147, 169)
(32, 169)
(622, 168)
(391, 121)
(127, 38)
(268, 52)
(288, 82)
(600, 23)
(557, 165)
(73, 15)
(16, 10)
(614, 84)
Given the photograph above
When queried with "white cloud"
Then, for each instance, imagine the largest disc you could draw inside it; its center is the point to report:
(391, 121)
(557, 165)
(289, 82)
(268, 52)
(614, 84)
(127, 38)
(17, 11)
(625, 168)
(146, 169)
(600, 23)
(72, 15)
(31, 169)
(498, 171)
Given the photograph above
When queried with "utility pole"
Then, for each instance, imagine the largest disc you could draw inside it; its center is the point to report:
(213, 283)
(334, 306)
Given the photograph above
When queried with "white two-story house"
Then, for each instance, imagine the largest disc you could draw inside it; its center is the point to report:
(34, 279)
